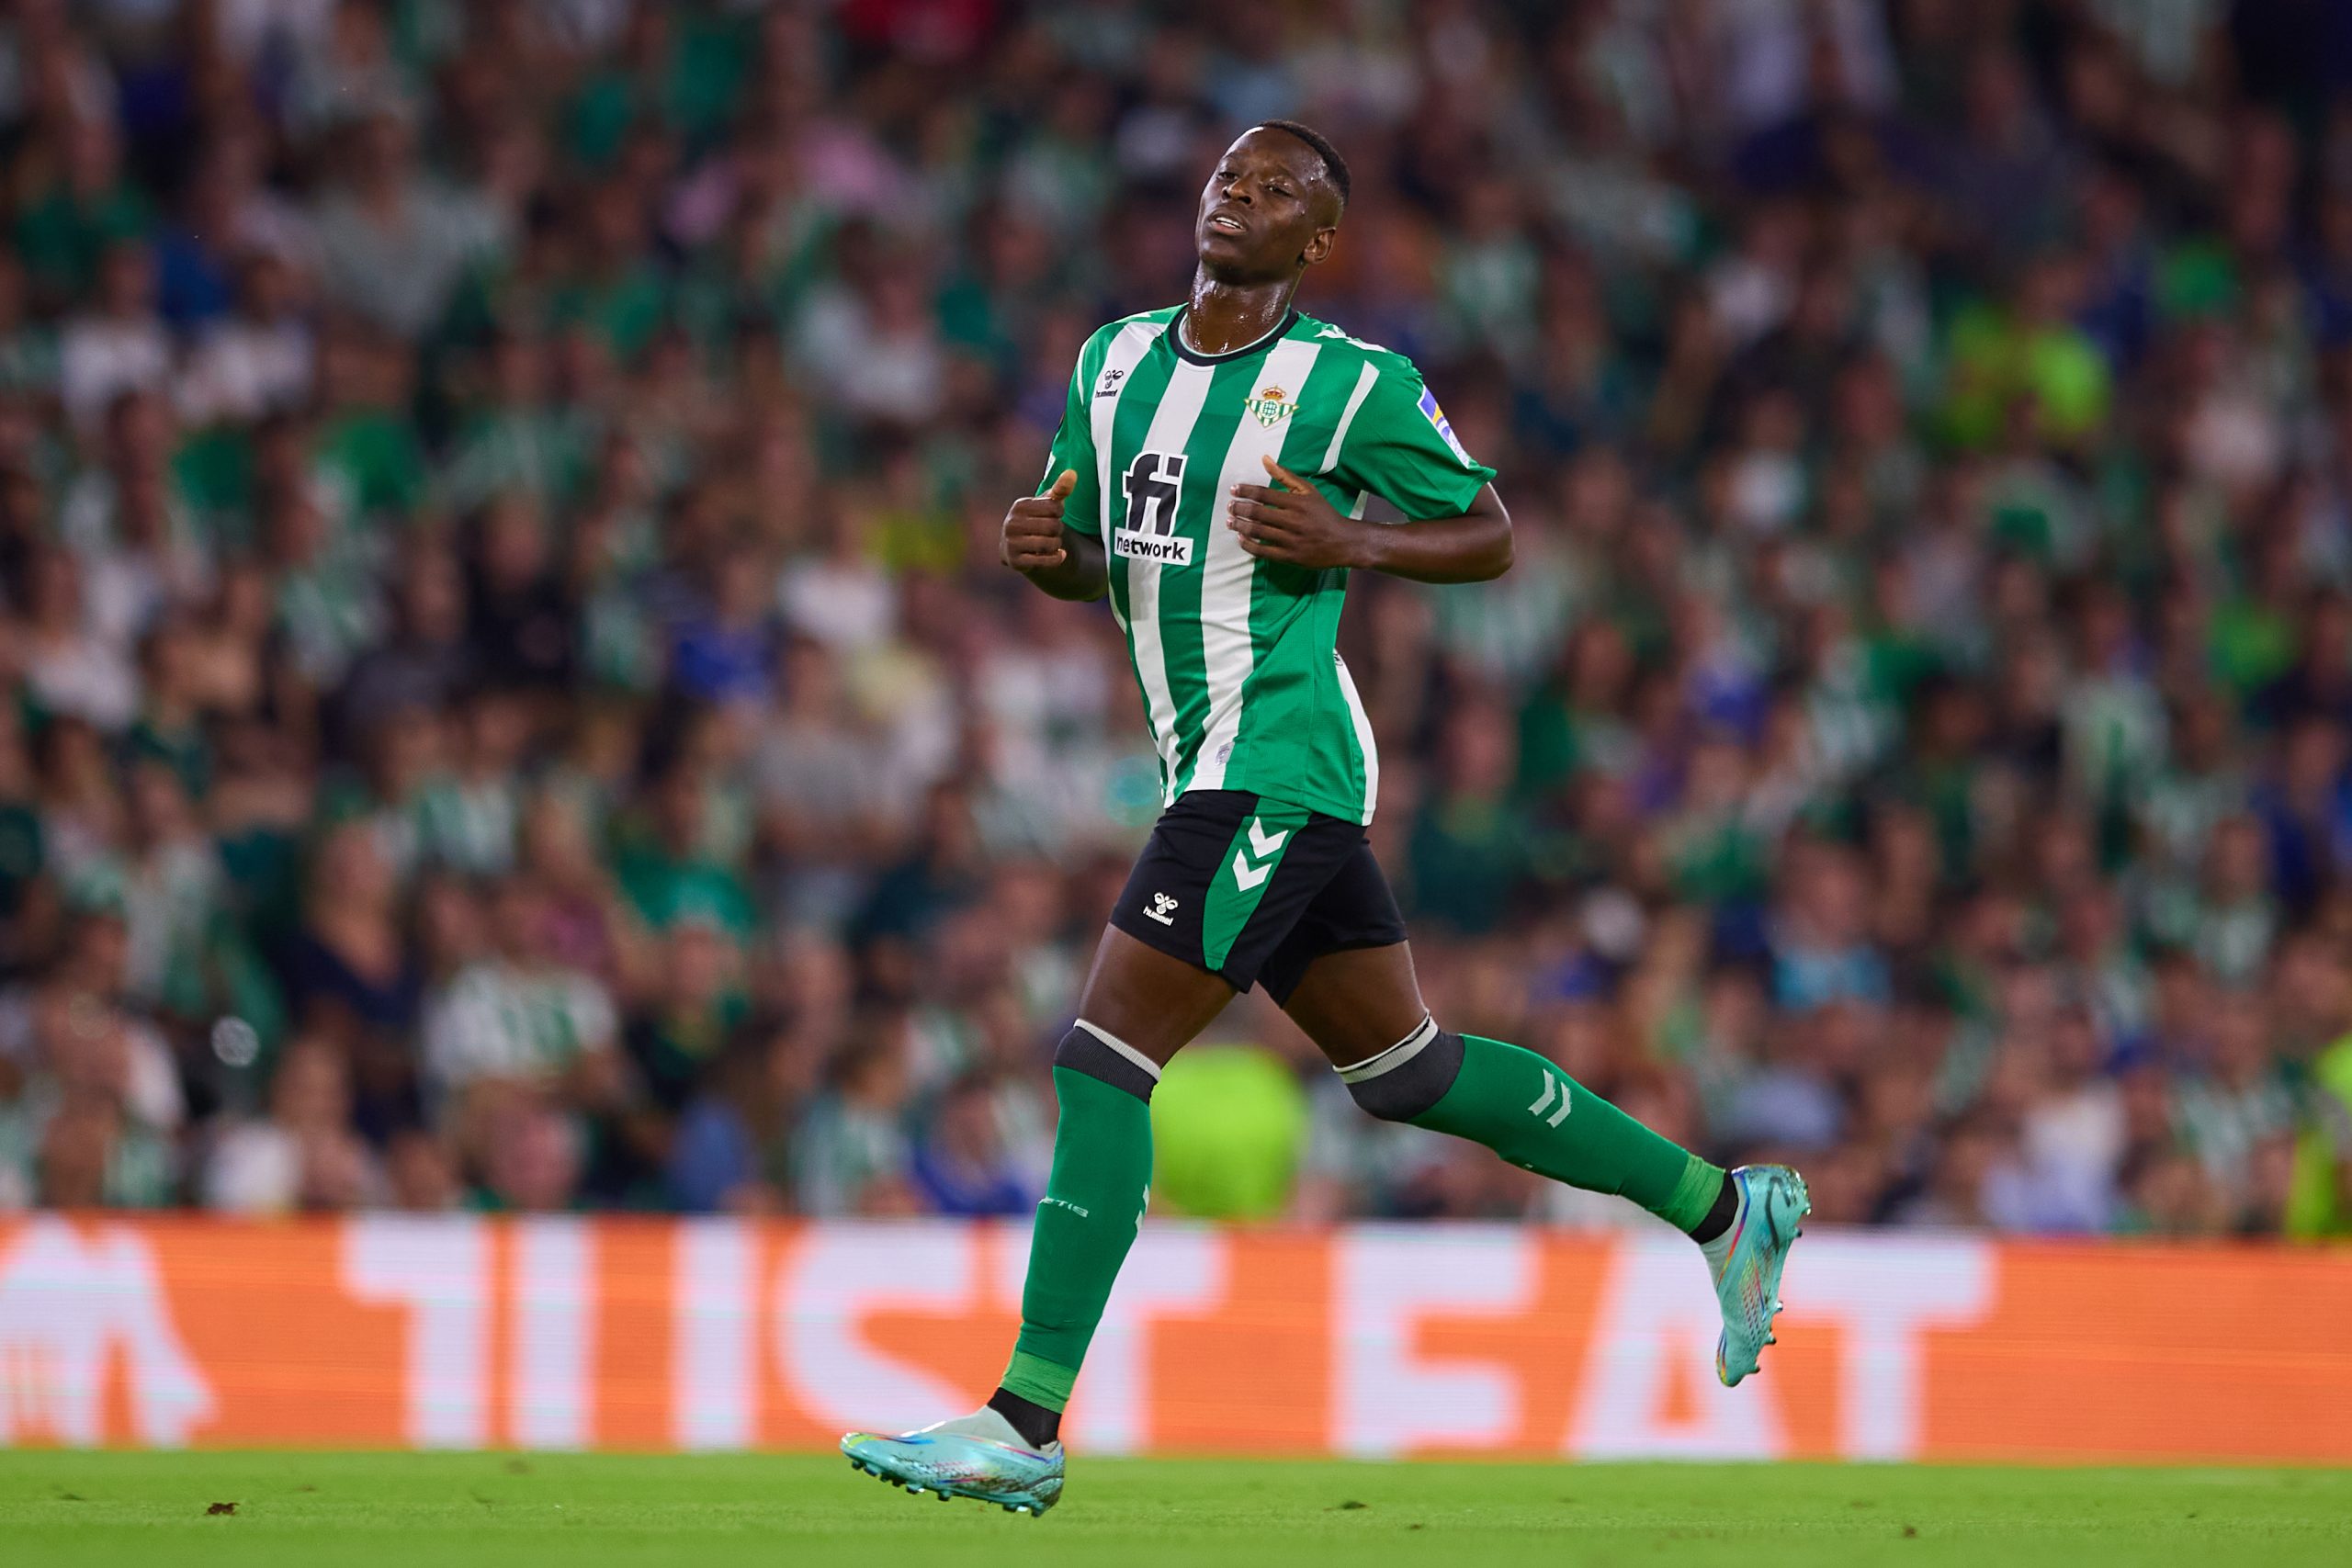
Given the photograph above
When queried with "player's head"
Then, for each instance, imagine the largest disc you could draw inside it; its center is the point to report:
(1271, 205)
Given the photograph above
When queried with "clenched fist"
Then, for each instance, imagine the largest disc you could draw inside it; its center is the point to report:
(1032, 528)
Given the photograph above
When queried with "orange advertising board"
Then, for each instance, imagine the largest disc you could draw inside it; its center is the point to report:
(561, 1333)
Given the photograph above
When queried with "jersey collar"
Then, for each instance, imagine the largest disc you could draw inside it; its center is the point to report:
(1194, 356)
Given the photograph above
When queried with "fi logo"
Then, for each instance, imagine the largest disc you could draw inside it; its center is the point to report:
(1153, 485)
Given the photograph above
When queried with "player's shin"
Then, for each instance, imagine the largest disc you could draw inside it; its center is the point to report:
(1535, 1116)
(1093, 1205)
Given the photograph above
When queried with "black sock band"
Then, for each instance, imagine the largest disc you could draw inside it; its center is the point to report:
(1406, 1080)
(1719, 1214)
(1098, 1055)
(1036, 1425)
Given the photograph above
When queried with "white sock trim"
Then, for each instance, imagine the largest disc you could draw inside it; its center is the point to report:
(1395, 1056)
(988, 1424)
(1122, 1047)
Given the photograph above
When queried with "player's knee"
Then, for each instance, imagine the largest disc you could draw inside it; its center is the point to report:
(1096, 1052)
(1406, 1080)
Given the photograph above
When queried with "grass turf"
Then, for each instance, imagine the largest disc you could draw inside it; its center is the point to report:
(95, 1510)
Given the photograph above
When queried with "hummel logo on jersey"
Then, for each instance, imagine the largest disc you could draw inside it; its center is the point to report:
(1163, 909)
(1110, 383)
(1152, 485)
(1543, 1102)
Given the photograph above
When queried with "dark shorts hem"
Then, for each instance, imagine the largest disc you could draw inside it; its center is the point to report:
(1160, 938)
(1280, 986)
(1319, 890)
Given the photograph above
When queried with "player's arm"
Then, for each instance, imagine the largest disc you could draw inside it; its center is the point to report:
(1054, 538)
(1291, 521)
(1398, 445)
(1044, 548)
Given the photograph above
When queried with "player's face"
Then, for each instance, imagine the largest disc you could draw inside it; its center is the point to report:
(1267, 210)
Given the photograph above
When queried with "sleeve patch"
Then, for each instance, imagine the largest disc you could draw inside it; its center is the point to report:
(1444, 427)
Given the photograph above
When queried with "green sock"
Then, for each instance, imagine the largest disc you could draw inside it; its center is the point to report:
(1093, 1205)
(1539, 1119)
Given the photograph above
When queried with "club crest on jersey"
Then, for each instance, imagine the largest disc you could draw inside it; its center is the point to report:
(1272, 405)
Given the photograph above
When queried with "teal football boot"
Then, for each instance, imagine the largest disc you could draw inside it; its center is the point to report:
(978, 1456)
(1747, 1261)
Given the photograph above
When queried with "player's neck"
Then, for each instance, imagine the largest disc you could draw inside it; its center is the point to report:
(1220, 317)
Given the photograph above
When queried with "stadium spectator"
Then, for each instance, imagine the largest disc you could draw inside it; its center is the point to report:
(514, 703)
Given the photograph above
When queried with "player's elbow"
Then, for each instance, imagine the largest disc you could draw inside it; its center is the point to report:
(1498, 553)
(1488, 564)
(1503, 554)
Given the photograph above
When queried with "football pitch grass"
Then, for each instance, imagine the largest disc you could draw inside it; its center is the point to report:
(61, 1509)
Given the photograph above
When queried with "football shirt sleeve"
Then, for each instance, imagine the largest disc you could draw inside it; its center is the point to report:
(1399, 447)
(1074, 448)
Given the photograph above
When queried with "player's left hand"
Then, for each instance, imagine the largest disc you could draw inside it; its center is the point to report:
(1291, 521)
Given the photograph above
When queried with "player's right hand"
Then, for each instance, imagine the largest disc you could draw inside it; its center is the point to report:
(1032, 528)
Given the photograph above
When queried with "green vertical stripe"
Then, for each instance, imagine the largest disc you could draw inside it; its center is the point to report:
(1294, 617)
(1096, 350)
(1230, 901)
(1201, 510)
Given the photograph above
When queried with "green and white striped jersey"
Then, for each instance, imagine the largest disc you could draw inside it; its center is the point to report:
(1238, 658)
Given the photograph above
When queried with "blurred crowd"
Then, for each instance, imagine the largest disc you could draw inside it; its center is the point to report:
(516, 707)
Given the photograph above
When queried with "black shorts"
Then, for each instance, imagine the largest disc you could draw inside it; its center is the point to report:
(1254, 890)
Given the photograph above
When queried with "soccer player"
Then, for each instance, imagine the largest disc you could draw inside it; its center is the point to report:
(1210, 475)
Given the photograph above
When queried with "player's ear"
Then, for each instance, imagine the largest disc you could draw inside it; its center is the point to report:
(1319, 245)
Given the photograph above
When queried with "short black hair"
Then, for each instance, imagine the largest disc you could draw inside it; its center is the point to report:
(1334, 167)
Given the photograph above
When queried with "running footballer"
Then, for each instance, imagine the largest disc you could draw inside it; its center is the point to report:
(1210, 478)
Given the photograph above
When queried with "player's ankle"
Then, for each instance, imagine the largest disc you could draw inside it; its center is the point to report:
(1720, 1214)
(1036, 1425)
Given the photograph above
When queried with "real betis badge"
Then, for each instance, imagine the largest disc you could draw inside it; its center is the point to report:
(1272, 405)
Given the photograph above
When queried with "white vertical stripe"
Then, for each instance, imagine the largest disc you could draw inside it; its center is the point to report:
(1364, 379)
(1126, 349)
(1363, 736)
(1128, 346)
(554, 1289)
(1171, 427)
(1228, 572)
(712, 1368)
(439, 1270)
